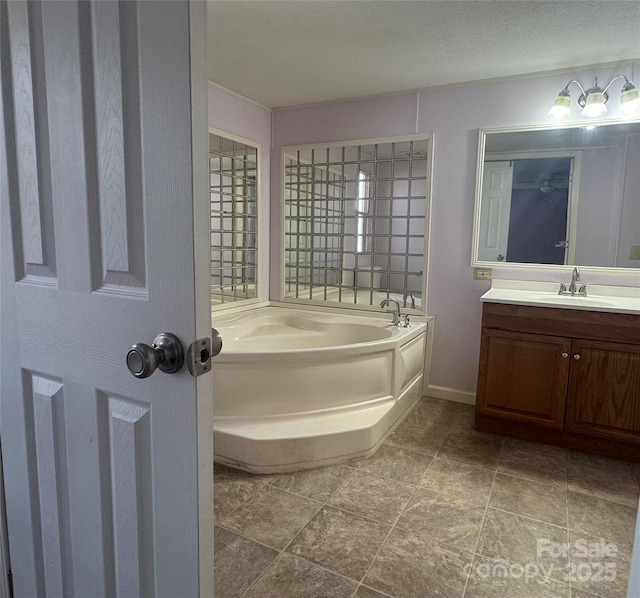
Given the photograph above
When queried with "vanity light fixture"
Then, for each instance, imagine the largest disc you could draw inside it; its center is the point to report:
(593, 100)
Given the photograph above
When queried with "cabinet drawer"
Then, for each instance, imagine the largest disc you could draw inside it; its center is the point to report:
(592, 325)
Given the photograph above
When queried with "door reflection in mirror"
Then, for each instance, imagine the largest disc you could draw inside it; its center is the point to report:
(588, 216)
(526, 210)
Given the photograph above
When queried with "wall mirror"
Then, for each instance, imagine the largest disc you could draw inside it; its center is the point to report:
(559, 196)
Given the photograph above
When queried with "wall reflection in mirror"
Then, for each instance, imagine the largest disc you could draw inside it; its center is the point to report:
(562, 196)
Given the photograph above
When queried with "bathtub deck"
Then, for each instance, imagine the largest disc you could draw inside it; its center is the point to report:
(282, 444)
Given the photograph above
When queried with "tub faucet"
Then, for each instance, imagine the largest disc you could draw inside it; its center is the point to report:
(396, 313)
(413, 299)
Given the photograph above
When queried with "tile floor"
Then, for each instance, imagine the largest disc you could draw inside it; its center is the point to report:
(440, 510)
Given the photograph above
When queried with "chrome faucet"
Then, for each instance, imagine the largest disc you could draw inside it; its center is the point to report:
(573, 287)
(413, 299)
(396, 314)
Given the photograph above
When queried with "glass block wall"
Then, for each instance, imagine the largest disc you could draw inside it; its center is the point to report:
(355, 222)
(233, 175)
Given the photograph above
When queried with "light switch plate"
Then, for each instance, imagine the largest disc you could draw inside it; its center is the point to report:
(634, 253)
(482, 273)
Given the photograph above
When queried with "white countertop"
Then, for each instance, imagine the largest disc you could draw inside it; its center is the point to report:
(624, 300)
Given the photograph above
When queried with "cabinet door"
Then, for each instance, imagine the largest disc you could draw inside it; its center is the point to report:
(523, 377)
(604, 390)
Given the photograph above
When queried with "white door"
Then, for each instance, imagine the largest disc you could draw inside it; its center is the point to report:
(497, 179)
(104, 472)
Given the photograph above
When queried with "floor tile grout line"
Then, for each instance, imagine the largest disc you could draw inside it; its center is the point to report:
(321, 505)
(360, 585)
(375, 556)
(324, 502)
(394, 525)
(280, 553)
(327, 504)
(566, 477)
(529, 518)
(221, 522)
(484, 516)
(255, 581)
(466, 582)
(374, 475)
(360, 515)
(598, 496)
(242, 503)
(410, 449)
(531, 480)
(229, 529)
(303, 528)
(284, 549)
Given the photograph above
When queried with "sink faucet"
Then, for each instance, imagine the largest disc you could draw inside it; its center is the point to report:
(575, 277)
(413, 299)
(396, 314)
(573, 287)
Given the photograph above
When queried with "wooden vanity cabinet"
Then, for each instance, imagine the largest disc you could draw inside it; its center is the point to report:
(523, 377)
(604, 390)
(562, 376)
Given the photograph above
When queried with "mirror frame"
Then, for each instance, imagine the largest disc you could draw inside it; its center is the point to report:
(482, 134)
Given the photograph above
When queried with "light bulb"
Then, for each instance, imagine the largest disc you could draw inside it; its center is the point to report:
(562, 106)
(629, 99)
(594, 104)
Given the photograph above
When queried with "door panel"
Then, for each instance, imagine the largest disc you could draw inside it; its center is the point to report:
(604, 397)
(47, 397)
(523, 377)
(101, 468)
(496, 207)
(33, 229)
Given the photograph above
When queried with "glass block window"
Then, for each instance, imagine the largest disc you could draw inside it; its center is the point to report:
(355, 222)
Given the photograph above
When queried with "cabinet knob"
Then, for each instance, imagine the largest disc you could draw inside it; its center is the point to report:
(565, 355)
(576, 357)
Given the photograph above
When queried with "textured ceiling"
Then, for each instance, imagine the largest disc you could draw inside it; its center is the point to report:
(283, 53)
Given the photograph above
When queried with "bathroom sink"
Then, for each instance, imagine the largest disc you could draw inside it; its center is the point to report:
(545, 294)
(574, 301)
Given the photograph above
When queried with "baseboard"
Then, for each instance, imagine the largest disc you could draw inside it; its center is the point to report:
(451, 394)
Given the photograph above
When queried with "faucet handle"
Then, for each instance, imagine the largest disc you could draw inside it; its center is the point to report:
(583, 288)
(563, 287)
(406, 320)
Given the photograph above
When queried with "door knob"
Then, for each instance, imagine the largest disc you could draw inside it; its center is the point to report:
(576, 356)
(165, 354)
(565, 355)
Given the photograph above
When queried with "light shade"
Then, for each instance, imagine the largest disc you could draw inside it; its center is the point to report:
(562, 106)
(593, 100)
(594, 103)
(629, 99)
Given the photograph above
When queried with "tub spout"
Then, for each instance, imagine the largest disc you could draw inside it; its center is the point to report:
(413, 299)
(395, 313)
